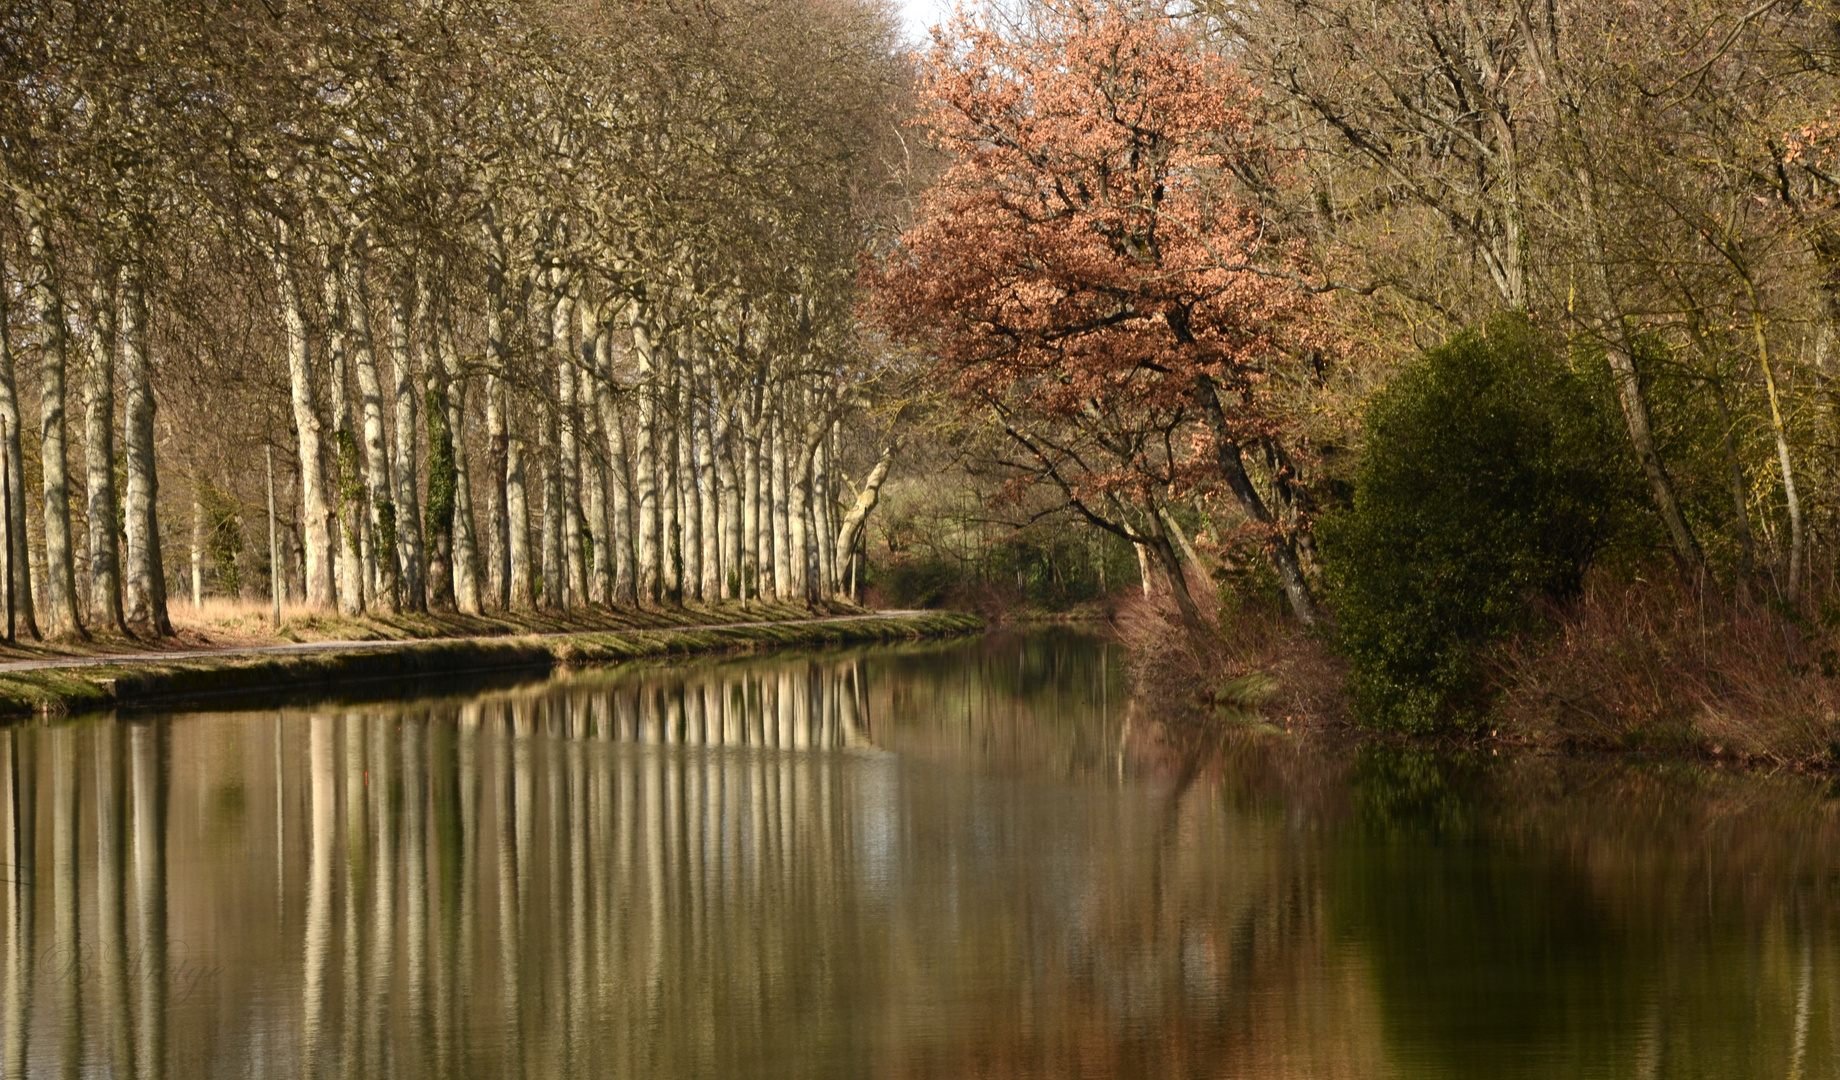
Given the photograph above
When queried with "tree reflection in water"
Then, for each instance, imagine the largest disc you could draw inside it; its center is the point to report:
(949, 860)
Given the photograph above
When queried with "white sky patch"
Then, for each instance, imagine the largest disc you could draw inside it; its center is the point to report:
(919, 16)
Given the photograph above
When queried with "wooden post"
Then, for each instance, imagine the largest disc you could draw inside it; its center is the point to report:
(274, 542)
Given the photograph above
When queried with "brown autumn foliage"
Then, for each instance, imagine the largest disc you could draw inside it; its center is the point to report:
(1086, 273)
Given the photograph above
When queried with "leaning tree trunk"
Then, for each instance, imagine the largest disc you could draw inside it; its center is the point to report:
(99, 453)
(47, 308)
(383, 555)
(1280, 545)
(858, 516)
(19, 566)
(408, 396)
(1620, 353)
(146, 574)
(1798, 536)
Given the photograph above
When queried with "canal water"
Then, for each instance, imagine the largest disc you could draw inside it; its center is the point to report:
(977, 859)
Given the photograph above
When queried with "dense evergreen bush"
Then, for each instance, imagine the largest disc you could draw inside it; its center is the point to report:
(1490, 477)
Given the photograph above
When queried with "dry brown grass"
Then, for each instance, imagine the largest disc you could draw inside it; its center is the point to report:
(1656, 667)
(1246, 658)
(235, 623)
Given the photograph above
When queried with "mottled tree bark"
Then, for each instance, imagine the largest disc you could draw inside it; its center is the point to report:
(517, 524)
(46, 304)
(858, 517)
(146, 572)
(99, 452)
(568, 456)
(381, 556)
(348, 486)
(709, 588)
(781, 506)
(645, 468)
(613, 430)
(465, 555)
(406, 387)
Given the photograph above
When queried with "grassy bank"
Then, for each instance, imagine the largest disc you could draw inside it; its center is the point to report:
(219, 623)
(385, 663)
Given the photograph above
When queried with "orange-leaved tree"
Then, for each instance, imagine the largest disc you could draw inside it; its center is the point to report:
(1085, 269)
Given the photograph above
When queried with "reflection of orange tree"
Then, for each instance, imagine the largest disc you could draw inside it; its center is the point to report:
(1166, 938)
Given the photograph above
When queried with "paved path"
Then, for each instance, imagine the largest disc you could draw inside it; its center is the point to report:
(130, 658)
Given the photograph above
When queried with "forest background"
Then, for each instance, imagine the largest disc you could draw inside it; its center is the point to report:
(1473, 355)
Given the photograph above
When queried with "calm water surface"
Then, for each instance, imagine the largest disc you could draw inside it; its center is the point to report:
(950, 861)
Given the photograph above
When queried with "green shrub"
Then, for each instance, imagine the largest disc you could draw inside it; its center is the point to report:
(1490, 477)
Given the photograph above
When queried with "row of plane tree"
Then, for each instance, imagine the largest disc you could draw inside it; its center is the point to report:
(530, 304)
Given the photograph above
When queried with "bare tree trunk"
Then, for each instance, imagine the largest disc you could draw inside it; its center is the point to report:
(1280, 545)
(465, 553)
(723, 448)
(381, 558)
(1621, 355)
(689, 497)
(517, 513)
(498, 363)
(798, 534)
(709, 587)
(19, 567)
(498, 527)
(568, 449)
(408, 397)
(594, 478)
(46, 304)
(348, 486)
(197, 549)
(670, 469)
(443, 488)
(650, 576)
(782, 512)
(823, 530)
(99, 453)
(613, 429)
(555, 580)
(854, 522)
(751, 438)
(1797, 535)
(146, 576)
